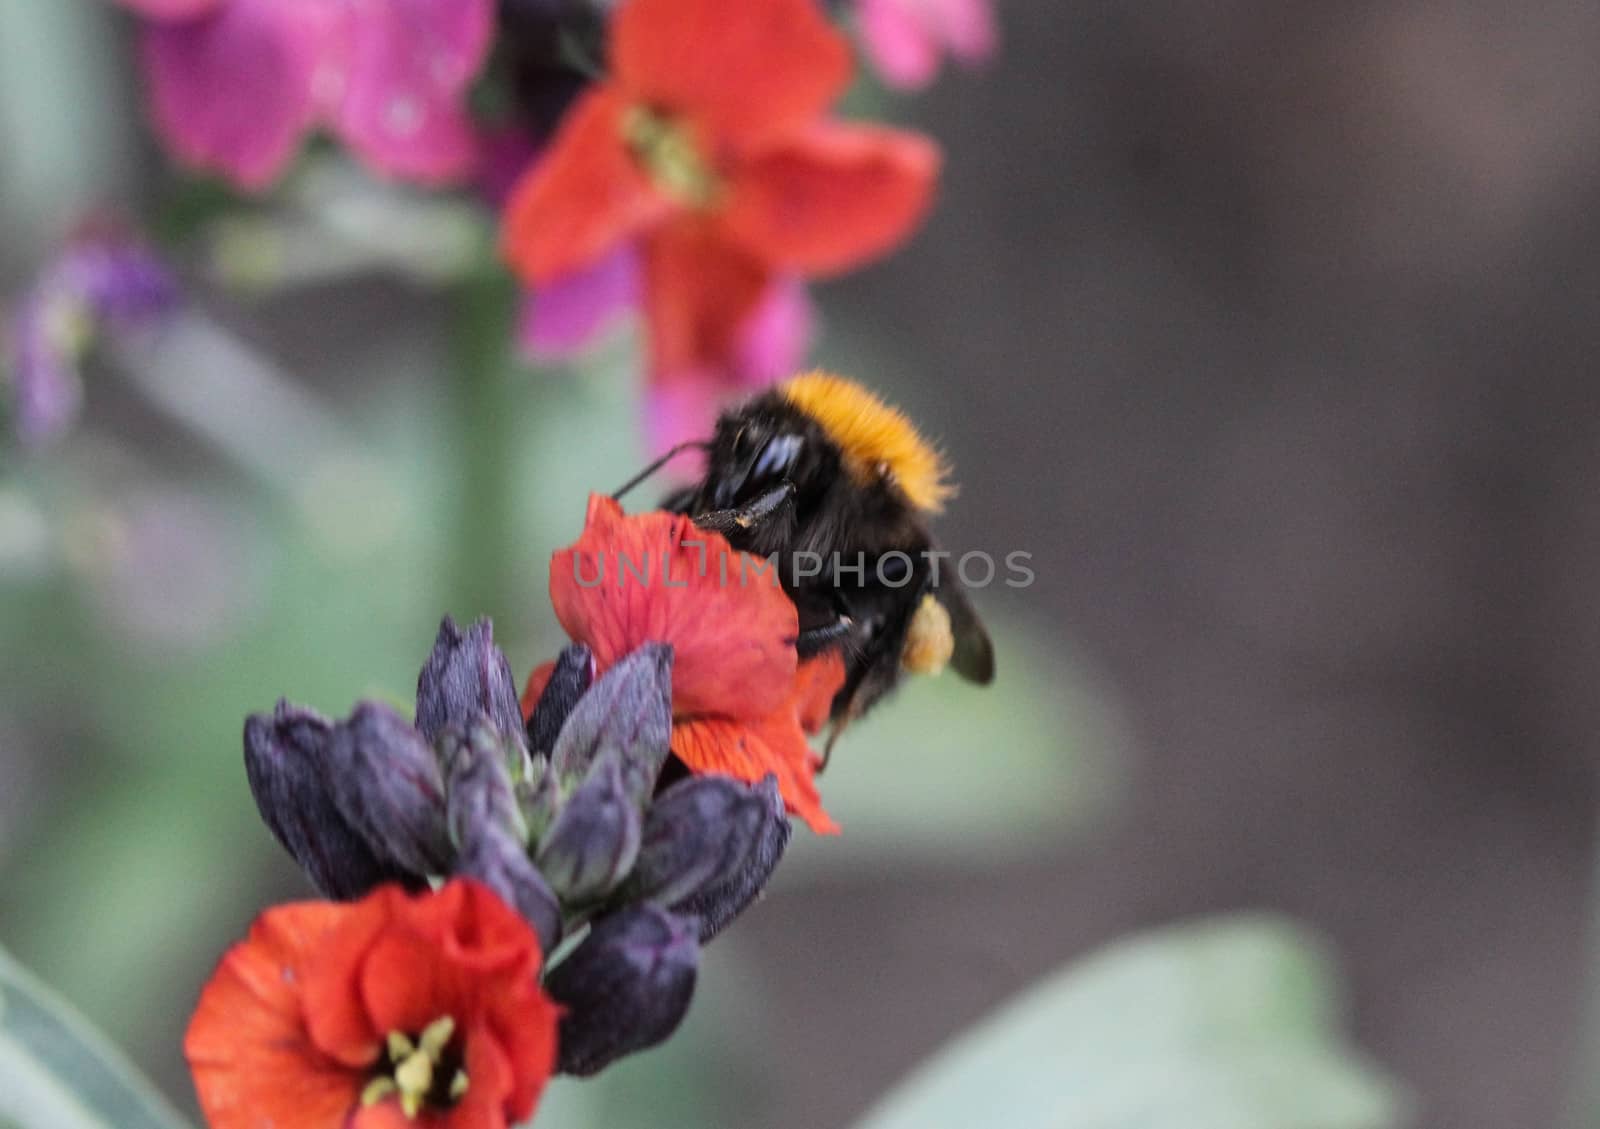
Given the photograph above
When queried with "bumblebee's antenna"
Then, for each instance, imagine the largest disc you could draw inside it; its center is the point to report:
(702, 444)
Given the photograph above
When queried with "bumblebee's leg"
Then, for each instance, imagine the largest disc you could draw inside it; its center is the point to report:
(815, 640)
(751, 515)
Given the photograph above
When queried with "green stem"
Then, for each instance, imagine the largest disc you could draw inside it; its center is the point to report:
(485, 443)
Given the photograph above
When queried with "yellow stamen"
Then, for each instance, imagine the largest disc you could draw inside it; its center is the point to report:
(378, 1089)
(671, 158)
(415, 1075)
(436, 1035)
(412, 1068)
(399, 1046)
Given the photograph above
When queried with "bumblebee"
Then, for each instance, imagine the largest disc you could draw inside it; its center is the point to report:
(837, 487)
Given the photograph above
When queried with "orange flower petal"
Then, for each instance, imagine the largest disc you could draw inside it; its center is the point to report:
(700, 290)
(528, 1049)
(816, 683)
(475, 930)
(323, 976)
(738, 68)
(656, 578)
(490, 1081)
(336, 1016)
(831, 197)
(586, 195)
(749, 751)
(252, 1059)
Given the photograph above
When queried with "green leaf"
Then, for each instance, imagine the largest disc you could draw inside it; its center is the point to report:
(1226, 1024)
(58, 1073)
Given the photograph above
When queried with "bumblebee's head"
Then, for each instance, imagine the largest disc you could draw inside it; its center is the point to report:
(811, 430)
(762, 445)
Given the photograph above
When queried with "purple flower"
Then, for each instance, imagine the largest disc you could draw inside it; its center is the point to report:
(235, 85)
(906, 39)
(97, 284)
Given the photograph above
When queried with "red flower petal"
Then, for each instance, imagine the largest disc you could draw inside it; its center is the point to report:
(475, 930)
(252, 1059)
(336, 1016)
(585, 197)
(700, 290)
(815, 686)
(656, 578)
(738, 68)
(749, 751)
(832, 197)
(289, 1028)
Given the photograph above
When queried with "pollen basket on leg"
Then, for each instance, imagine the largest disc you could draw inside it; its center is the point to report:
(875, 438)
(930, 641)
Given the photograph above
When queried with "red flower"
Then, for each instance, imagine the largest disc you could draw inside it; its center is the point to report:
(742, 702)
(387, 1013)
(707, 144)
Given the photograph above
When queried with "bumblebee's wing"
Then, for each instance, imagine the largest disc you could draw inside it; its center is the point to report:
(973, 658)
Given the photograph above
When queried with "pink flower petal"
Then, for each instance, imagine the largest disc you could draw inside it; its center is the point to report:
(906, 38)
(967, 28)
(562, 319)
(679, 411)
(407, 65)
(773, 343)
(231, 92)
(900, 43)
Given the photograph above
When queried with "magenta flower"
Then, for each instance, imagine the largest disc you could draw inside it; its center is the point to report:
(906, 39)
(564, 319)
(235, 85)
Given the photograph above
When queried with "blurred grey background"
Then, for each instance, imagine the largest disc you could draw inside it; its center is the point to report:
(1269, 329)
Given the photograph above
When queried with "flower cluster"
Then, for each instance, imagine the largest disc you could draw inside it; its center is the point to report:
(622, 815)
(669, 156)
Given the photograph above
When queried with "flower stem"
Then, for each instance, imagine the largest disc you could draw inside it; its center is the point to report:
(485, 441)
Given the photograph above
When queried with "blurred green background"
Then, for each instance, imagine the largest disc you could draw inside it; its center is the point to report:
(1267, 329)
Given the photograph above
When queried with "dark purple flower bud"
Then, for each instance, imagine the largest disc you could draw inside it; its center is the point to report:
(625, 988)
(466, 677)
(493, 857)
(385, 779)
(591, 846)
(717, 903)
(487, 827)
(283, 757)
(627, 714)
(710, 845)
(571, 678)
(478, 783)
